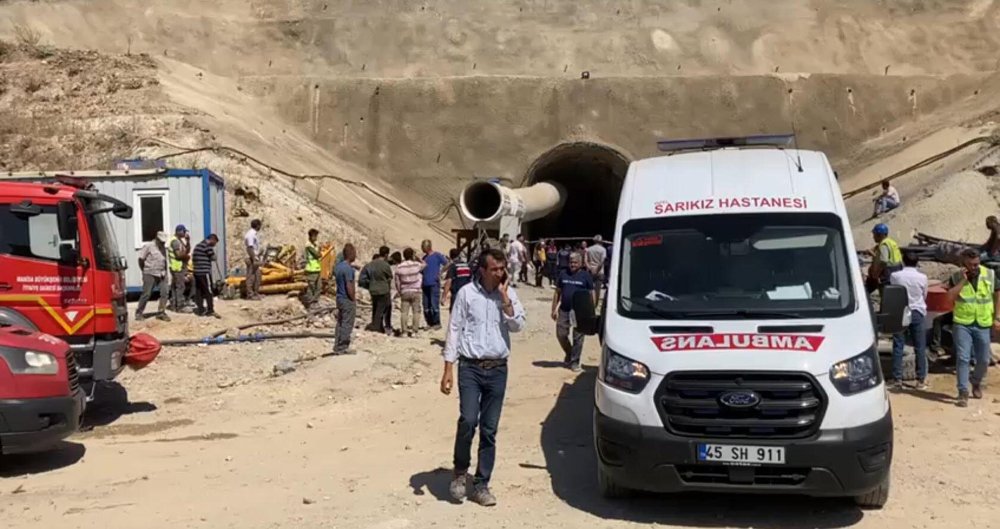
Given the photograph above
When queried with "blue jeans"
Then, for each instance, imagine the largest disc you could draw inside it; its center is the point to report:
(919, 335)
(884, 205)
(480, 400)
(970, 339)
(432, 304)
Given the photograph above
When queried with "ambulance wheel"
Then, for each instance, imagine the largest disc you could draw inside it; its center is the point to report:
(875, 499)
(608, 487)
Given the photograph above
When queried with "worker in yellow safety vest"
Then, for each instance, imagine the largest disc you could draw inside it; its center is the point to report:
(178, 255)
(887, 258)
(313, 267)
(976, 294)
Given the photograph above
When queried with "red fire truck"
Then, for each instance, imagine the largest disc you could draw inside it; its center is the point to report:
(61, 272)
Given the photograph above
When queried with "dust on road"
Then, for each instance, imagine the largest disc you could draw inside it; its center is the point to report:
(365, 442)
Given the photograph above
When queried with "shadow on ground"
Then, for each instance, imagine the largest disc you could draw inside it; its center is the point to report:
(62, 455)
(110, 404)
(434, 481)
(567, 442)
(549, 364)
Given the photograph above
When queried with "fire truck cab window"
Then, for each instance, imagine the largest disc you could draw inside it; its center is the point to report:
(33, 237)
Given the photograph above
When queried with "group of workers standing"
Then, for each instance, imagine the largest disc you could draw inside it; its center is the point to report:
(415, 281)
(973, 289)
(179, 272)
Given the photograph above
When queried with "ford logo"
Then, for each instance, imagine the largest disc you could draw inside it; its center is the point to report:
(739, 399)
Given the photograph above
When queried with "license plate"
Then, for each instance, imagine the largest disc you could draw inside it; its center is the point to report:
(741, 454)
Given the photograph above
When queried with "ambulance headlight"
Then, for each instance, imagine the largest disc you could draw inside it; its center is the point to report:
(857, 374)
(623, 373)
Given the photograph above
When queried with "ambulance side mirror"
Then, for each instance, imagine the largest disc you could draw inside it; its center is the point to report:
(583, 308)
(890, 315)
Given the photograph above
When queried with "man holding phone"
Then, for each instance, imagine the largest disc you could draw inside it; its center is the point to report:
(483, 316)
(976, 294)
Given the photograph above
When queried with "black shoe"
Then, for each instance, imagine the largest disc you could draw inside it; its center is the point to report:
(139, 316)
(163, 316)
(963, 399)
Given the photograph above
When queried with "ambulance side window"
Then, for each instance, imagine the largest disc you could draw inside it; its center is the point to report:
(32, 237)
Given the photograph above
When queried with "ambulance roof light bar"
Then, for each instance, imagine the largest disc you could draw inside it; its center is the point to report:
(704, 144)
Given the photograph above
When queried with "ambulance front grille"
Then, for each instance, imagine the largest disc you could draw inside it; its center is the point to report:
(767, 405)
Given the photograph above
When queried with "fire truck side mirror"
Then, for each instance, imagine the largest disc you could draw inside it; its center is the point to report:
(68, 254)
(66, 220)
(893, 309)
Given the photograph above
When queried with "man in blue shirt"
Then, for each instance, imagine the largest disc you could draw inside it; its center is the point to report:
(571, 281)
(346, 301)
(431, 284)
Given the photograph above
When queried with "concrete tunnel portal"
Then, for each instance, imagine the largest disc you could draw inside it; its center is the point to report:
(592, 176)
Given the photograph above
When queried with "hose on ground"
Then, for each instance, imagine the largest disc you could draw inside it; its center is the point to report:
(245, 338)
(246, 326)
(430, 218)
(992, 139)
(433, 217)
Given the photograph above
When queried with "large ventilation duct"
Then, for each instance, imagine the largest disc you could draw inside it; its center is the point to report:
(488, 202)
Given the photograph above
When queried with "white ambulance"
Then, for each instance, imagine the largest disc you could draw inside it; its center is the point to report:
(739, 345)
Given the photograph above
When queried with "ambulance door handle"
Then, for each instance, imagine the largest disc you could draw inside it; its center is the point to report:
(5, 286)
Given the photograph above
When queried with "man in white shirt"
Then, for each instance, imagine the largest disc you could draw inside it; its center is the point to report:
(915, 283)
(251, 240)
(486, 311)
(516, 256)
(594, 259)
(888, 200)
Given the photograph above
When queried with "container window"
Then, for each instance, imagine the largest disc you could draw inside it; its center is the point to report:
(150, 211)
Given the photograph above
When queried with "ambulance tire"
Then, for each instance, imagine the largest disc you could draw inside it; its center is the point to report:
(608, 487)
(875, 499)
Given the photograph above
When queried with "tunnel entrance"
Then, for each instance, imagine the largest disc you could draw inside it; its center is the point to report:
(592, 175)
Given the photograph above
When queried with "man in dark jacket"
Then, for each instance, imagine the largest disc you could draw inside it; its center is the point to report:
(202, 257)
(379, 286)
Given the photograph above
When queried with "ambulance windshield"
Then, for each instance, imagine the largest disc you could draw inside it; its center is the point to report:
(781, 265)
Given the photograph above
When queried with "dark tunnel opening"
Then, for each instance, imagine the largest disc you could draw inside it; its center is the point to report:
(592, 175)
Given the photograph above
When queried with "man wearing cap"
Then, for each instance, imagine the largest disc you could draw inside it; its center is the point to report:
(178, 254)
(153, 264)
(887, 258)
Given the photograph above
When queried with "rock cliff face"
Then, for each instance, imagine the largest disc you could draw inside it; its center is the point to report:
(423, 97)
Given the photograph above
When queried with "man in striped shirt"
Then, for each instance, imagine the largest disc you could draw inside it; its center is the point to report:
(202, 257)
(408, 277)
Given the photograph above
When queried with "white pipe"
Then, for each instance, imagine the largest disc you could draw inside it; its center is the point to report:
(487, 201)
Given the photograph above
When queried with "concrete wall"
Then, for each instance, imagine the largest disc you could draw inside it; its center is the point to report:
(434, 135)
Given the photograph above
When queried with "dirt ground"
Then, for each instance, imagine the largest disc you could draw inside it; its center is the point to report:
(209, 437)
